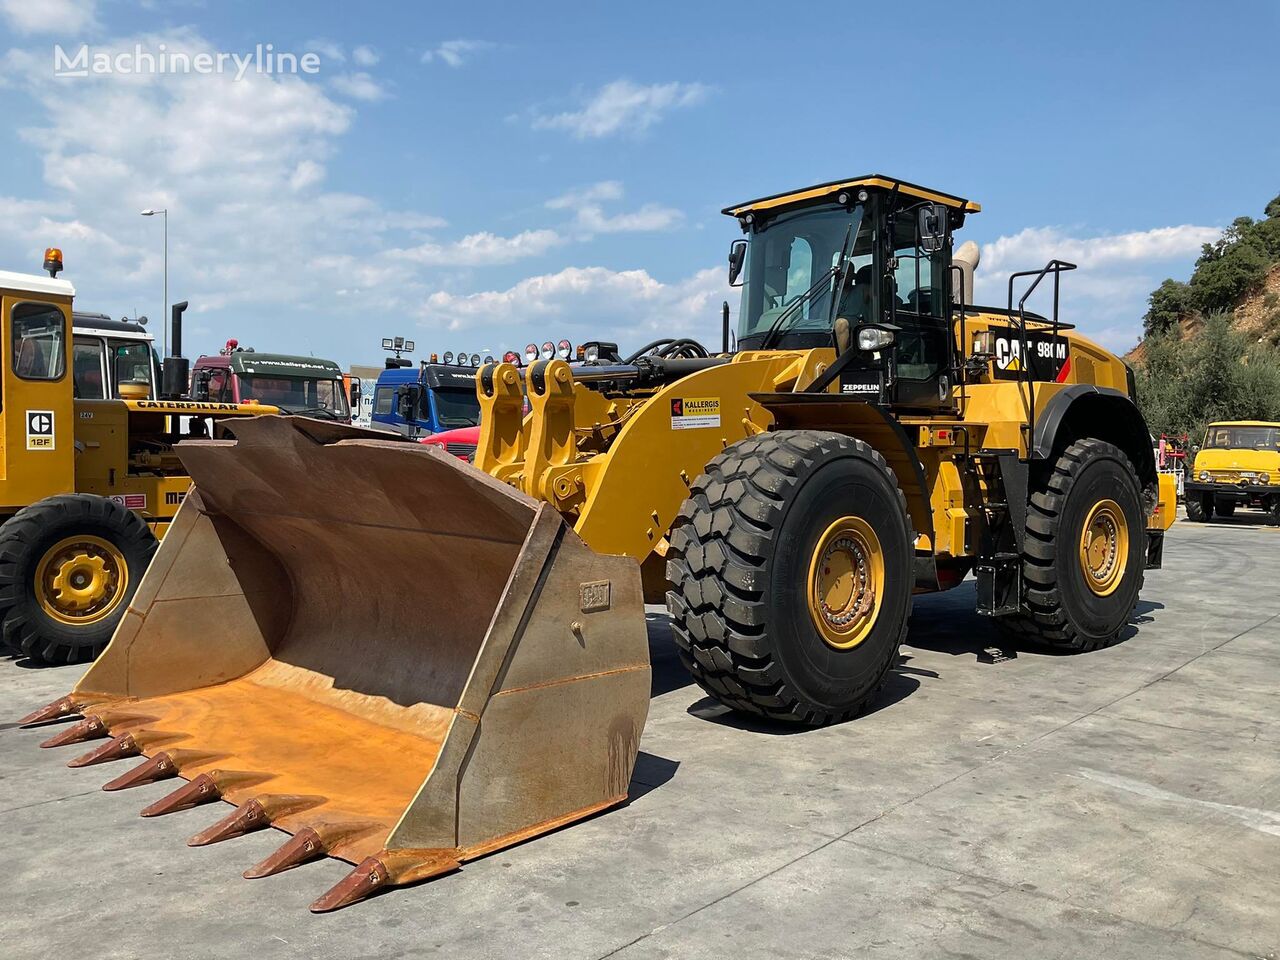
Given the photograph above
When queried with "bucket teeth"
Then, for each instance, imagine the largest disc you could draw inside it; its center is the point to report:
(60, 708)
(302, 846)
(162, 766)
(90, 728)
(365, 880)
(253, 814)
(247, 817)
(204, 788)
(117, 748)
(310, 843)
(390, 868)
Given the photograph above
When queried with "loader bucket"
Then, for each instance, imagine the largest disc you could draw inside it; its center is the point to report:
(374, 647)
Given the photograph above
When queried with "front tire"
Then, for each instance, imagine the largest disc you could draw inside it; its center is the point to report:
(791, 570)
(1199, 508)
(69, 565)
(1084, 551)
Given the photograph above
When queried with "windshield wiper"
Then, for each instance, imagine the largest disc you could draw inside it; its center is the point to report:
(775, 329)
(313, 410)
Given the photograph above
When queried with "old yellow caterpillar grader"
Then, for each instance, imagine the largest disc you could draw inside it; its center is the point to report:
(874, 435)
(88, 475)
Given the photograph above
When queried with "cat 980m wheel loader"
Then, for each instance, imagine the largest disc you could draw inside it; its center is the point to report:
(873, 436)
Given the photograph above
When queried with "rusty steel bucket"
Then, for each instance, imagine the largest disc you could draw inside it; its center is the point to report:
(395, 658)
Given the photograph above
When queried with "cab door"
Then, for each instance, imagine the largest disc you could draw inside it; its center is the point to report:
(36, 405)
(920, 305)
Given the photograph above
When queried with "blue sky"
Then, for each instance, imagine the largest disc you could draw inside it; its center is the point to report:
(477, 176)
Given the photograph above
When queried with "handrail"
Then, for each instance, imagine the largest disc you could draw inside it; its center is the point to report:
(1057, 268)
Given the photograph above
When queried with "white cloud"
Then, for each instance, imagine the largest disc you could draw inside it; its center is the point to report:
(254, 237)
(50, 16)
(625, 305)
(327, 49)
(365, 56)
(1106, 297)
(624, 107)
(574, 199)
(481, 249)
(359, 86)
(306, 174)
(456, 53)
(590, 217)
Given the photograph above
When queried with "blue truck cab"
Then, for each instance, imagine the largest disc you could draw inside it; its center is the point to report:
(419, 401)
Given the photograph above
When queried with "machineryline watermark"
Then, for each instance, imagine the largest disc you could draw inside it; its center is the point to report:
(264, 59)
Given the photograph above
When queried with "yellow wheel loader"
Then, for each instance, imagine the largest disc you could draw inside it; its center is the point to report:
(86, 485)
(874, 435)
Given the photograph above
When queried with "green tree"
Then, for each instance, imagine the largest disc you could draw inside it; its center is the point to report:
(1168, 304)
(1231, 267)
(1183, 385)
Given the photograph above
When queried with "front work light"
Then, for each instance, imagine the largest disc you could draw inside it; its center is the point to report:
(871, 339)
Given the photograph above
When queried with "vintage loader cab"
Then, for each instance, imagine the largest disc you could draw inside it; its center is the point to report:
(866, 270)
(89, 478)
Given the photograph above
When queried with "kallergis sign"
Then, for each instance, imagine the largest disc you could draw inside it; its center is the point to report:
(693, 413)
(1046, 357)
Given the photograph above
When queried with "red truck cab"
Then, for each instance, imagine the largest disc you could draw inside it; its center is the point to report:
(298, 385)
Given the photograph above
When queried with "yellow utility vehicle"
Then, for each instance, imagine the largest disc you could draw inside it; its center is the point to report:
(873, 436)
(1238, 465)
(86, 485)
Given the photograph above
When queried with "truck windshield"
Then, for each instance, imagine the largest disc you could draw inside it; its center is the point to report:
(297, 394)
(456, 408)
(1242, 438)
(787, 257)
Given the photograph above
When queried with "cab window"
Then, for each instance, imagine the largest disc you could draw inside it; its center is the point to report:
(383, 400)
(39, 341)
(219, 384)
(86, 369)
(131, 361)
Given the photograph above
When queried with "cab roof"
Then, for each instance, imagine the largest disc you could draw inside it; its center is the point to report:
(35, 283)
(870, 181)
(1243, 423)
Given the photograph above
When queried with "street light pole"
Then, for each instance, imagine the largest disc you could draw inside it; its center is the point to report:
(164, 317)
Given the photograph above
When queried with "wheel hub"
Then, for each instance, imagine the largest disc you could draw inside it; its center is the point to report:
(1104, 547)
(81, 580)
(846, 578)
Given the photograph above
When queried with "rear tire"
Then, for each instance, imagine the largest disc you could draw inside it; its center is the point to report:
(1199, 508)
(34, 620)
(1224, 508)
(767, 521)
(1093, 487)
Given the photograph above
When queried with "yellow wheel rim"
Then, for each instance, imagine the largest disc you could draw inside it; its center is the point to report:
(81, 580)
(1104, 547)
(846, 581)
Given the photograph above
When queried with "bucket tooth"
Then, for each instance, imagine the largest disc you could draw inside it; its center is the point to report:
(61, 708)
(205, 788)
(125, 745)
(302, 846)
(390, 868)
(253, 814)
(162, 766)
(311, 843)
(91, 727)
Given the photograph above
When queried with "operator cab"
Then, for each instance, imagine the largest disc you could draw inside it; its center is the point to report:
(863, 265)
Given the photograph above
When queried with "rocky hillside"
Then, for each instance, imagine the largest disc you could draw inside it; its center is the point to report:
(1238, 276)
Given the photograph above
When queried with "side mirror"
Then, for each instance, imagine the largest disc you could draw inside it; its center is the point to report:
(737, 257)
(355, 393)
(932, 227)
